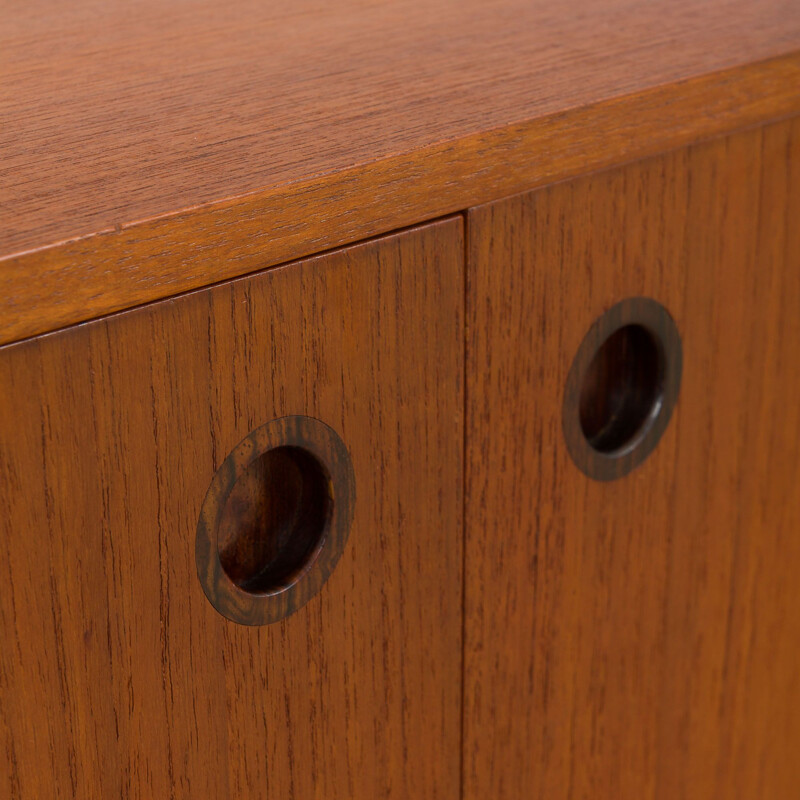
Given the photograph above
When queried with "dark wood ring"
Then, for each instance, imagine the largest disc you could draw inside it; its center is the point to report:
(277, 602)
(656, 320)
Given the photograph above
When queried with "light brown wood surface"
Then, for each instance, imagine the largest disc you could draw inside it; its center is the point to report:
(151, 150)
(117, 677)
(639, 638)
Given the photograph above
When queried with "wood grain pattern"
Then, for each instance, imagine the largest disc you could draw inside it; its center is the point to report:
(640, 638)
(170, 106)
(117, 677)
(204, 142)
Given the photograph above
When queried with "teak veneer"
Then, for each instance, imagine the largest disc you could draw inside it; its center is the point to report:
(117, 677)
(651, 623)
(399, 400)
(201, 142)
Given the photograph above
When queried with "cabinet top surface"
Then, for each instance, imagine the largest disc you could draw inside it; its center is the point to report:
(117, 112)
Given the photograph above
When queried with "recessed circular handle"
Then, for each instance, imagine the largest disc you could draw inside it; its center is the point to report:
(275, 520)
(622, 388)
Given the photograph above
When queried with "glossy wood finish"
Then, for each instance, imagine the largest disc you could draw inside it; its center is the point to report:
(117, 676)
(640, 638)
(204, 141)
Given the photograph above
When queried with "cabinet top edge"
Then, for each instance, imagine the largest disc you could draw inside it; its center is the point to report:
(151, 150)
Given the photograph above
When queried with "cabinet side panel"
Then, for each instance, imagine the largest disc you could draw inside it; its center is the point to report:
(638, 638)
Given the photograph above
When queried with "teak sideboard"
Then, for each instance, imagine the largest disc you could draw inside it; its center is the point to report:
(400, 400)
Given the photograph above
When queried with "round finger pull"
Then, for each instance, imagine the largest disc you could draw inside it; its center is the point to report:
(622, 388)
(275, 520)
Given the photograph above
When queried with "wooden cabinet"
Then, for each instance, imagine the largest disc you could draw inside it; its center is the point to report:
(399, 400)
(639, 637)
(118, 678)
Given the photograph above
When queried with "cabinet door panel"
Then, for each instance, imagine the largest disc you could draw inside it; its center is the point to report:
(118, 678)
(638, 638)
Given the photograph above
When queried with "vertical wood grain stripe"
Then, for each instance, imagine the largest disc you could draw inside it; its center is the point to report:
(638, 639)
(117, 676)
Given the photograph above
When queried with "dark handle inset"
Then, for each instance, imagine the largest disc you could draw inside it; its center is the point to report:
(622, 388)
(275, 520)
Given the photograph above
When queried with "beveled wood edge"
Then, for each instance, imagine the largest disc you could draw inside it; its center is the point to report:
(78, 280)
